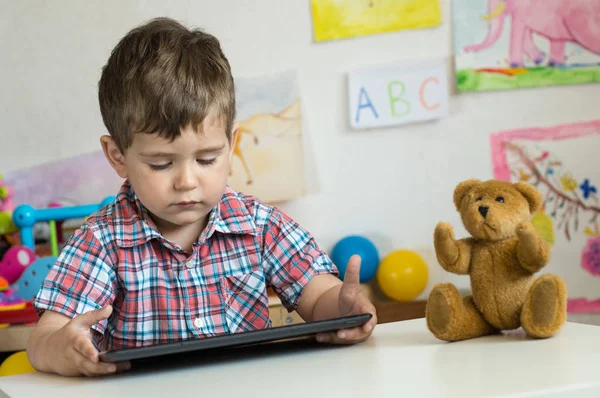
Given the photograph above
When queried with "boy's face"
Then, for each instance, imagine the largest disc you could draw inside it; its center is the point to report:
(179, 182)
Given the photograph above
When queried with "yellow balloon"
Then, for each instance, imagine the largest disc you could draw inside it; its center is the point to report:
(16, 364)
(402, 275)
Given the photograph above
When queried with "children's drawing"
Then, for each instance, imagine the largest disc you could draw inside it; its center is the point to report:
(561, 162)
(509, 44)
(82, 179)
(339, 19)
(268, 154)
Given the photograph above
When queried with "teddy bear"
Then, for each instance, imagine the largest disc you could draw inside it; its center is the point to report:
(501, 258)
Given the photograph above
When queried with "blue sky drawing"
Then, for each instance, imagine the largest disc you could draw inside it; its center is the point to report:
(271, 94)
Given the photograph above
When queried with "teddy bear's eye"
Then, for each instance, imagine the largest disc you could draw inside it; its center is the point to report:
(500, 199)
(479, 198)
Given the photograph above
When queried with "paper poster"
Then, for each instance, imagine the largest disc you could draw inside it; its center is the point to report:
(83, 179)
(562, 163)
(268, 157)
(500, 47)
(339, 19)
(397, 94)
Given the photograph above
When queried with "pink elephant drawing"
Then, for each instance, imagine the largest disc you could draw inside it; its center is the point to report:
(560, 21)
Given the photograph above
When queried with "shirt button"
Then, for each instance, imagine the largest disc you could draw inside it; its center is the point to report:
(190, 264)
(198, 323)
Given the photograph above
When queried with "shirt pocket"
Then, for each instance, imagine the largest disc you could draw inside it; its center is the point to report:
(246, 302)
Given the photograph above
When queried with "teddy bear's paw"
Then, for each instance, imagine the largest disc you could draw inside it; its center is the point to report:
(445, 245)
(452, 318)
(443, 232)
(525, 228)
(545, 308)
(439, 311)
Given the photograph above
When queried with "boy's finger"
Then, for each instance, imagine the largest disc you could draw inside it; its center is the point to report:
(352, 275)
(344, 336)
(90, 368)
(93, 317)
(369, 326)
(86, 348)
(333, 338)
(325, 337)
(351, 334)
(123, 367)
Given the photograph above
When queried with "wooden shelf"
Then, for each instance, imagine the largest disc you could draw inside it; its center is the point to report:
(387, 310)
(393, 311)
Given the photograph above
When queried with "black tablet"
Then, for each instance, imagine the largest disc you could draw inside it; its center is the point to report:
(307, 329)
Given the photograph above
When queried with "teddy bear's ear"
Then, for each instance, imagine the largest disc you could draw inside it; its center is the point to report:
(461, 190)
(531, 194)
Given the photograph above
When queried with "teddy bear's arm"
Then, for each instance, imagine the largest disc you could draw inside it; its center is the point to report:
(453, 255)
(533, 251)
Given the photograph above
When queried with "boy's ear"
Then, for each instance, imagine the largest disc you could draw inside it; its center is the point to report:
(113, 155)
(234, 133)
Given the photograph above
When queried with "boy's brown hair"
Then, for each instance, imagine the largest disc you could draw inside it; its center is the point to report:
(162, 77)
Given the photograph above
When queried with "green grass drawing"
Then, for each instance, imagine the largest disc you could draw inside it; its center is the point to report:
(471, 80)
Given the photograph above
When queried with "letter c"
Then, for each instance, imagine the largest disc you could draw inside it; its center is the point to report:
(422, 97)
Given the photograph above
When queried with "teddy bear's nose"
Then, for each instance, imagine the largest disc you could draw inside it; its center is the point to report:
(483, 210)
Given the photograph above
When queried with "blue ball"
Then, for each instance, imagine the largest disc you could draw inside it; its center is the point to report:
(355, 244)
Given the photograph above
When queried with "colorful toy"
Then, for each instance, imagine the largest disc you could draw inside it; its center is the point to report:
(5, 244)
(20, 315)
(31, 280)
(7, 226)
(14, 262)
(501, 258)
(17, 363)
(6, 195)
(362, 246)
(25, 217)
(402, 275)
(55, 231)
(9, 300)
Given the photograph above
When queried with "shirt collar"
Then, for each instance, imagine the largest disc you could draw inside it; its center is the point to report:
(232, 215)
(229, 216)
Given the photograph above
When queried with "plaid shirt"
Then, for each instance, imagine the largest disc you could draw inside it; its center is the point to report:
(162, 294)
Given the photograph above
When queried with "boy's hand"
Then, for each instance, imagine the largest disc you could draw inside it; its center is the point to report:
(352, 301)
(71, 351)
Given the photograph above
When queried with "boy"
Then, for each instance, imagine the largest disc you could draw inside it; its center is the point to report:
(179, 254)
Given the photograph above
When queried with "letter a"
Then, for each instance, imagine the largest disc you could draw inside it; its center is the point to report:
(368, 104)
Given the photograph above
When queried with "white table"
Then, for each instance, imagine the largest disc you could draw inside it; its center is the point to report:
(402, 359)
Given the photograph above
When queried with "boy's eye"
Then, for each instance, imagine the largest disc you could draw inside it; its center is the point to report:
(159, 166)
(206, 162)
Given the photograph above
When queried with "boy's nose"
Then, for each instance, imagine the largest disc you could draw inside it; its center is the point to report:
(185, 180)
(483, 210)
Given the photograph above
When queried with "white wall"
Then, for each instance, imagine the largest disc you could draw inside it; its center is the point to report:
(392, 184)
